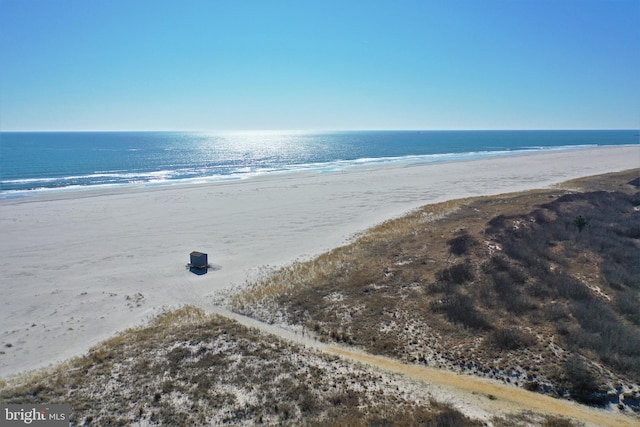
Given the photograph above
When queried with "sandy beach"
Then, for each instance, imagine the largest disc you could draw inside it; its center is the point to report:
(77, 267)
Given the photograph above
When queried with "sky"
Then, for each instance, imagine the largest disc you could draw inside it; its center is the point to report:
(319, 65)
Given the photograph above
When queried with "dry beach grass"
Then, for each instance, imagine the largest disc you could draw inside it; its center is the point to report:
(503, 287)
(187, 368)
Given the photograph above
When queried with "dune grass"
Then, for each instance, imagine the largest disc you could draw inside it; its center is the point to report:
(507, 287)
(188, 368)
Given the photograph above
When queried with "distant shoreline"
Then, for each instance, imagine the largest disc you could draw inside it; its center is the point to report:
(328, 168)
(79, 267)
(41, 163)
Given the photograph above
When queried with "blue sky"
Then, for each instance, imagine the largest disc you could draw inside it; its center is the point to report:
(319, 65)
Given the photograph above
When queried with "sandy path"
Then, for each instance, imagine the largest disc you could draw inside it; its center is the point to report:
(472, 392)
(467, 393)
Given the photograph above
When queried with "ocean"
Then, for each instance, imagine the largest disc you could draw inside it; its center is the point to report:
(36, 162)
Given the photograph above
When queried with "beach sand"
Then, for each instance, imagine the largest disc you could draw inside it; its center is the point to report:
(77, 267)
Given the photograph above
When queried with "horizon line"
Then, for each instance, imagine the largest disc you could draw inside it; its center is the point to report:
(257, 131)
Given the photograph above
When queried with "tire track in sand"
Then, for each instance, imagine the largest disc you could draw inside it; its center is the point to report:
(477, 391)
(471, 391)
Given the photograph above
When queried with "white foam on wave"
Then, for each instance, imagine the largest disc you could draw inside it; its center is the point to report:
(217, 173)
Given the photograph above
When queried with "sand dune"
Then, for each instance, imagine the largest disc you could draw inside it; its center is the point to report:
(76, 267)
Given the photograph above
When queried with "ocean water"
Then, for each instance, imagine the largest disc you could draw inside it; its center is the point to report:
(33, 162)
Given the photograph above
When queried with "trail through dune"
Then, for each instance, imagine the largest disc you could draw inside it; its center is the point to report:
(492, 396)
(472, 395)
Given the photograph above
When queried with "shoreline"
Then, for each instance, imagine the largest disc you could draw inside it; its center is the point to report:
(333, 167)
(80, 266)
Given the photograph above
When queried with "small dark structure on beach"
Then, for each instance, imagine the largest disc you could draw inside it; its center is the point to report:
(199, 260)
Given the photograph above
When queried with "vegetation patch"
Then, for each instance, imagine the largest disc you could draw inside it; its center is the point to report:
(190, 369)
(509, 287)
